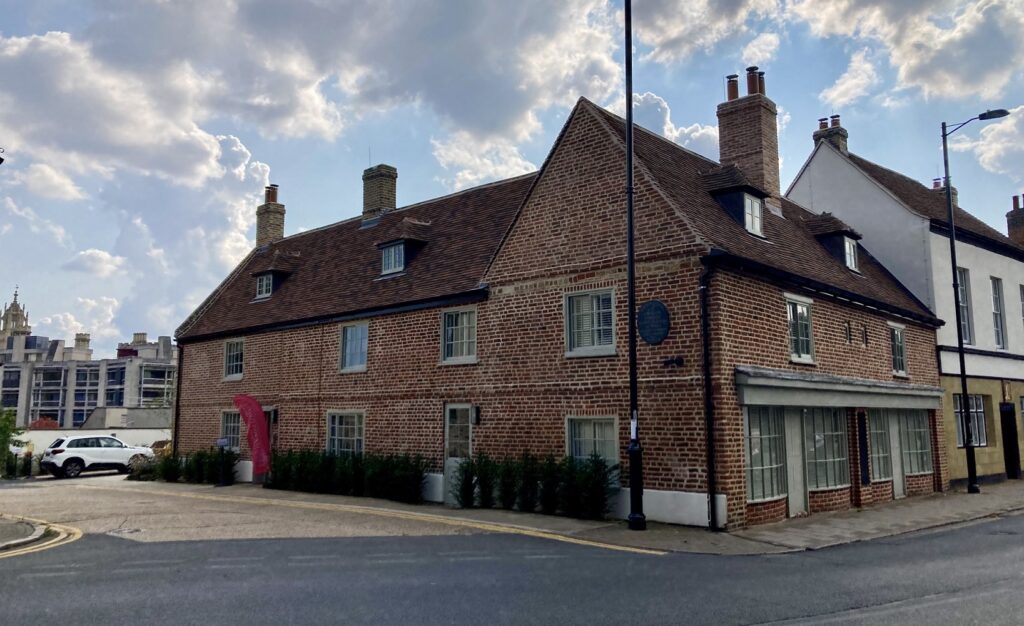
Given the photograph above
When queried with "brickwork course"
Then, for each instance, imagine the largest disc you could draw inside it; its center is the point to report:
(514, 252)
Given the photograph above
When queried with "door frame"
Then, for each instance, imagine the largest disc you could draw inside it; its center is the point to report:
(899, 473)
(798, 469)
(1011, 445)
(447, 468)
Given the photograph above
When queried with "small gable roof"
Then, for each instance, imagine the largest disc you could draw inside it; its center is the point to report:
(828, 224)
(336, 270)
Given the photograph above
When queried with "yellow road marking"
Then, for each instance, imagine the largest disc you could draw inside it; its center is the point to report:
(64, 535)
(395, 514)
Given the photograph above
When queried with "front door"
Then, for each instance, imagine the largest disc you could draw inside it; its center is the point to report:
(1011, 449)
(899, 480)
(458, 438)
(795, 479)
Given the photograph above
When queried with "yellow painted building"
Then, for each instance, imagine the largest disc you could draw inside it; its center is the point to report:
(1001, 404)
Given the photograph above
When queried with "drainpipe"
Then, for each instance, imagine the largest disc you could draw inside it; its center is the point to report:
(177, 400)
(709, 403)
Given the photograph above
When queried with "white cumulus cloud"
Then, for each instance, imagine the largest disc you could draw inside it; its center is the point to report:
(999, 146)
(653, 113)
(96, 262)
(46, 181)
(36, 223)
(676, 29)
(93, 315)
(856, 82)
(761, 49)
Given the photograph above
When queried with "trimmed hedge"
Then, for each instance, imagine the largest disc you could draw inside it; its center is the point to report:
(397, 477)
(569, 486)
(203, 466)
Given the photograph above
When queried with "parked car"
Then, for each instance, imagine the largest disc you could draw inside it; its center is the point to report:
(70, 456)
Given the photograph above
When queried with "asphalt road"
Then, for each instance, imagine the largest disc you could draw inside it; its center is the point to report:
(971, 574)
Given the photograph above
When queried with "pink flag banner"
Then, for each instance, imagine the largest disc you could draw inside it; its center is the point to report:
(256, 427)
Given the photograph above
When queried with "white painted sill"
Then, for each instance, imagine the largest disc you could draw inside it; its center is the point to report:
(823, 489)
(767, 500)
(591, 352)
(460, 361)
(901, 374)
(355, 369)
(232, 378)
(802, 360)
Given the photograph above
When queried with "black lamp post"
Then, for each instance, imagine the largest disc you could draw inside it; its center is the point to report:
(965, 401)
(637, 519)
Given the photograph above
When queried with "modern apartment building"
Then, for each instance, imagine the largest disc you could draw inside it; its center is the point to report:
(42, 379)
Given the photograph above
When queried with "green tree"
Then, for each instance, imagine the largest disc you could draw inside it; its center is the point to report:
(9, 433)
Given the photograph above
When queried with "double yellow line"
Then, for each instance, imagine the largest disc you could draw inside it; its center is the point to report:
(55, 535)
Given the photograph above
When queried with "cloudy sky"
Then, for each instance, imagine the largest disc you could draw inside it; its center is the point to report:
(139, 134)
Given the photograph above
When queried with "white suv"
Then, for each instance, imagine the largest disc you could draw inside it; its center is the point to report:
(70, 456)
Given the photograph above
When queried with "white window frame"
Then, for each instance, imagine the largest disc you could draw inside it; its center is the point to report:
(837, 465)
(916, 442)
(850, 251)
(799, 301)
(264, 286)
(343, 363)
(880, 445)
(773, 465)
(998, 314)
(898, 339)
(228, 375)
(232, 432)
(392, 258)
(359, 440)
(470, 340)
(979, 418)
(613, 444)
(964, 302)
(753, 215)
(458, 406)
(591, 350)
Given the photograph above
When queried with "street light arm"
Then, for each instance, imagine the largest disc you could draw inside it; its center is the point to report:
(957, 127)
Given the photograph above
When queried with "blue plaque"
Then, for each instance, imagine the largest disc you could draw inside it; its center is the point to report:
(653, 322)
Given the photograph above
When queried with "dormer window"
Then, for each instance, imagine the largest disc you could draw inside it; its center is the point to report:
(752, 215)
(264, 285)
(851, 253)
(393, 258)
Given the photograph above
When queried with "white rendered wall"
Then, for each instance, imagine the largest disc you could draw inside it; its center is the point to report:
(895, 236)
(982, 265)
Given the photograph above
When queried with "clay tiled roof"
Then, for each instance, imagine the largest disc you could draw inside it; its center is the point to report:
(828, 224)
(336, 270)
(927, 202)
(788, 245)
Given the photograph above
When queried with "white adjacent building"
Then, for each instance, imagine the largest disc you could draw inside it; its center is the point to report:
(904, 225)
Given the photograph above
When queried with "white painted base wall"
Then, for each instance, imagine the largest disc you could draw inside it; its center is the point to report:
(243, 471)
(40, 439)
(433, 488)
(672, 507)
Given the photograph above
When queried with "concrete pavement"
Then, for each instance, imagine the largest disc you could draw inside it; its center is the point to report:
(16, 532)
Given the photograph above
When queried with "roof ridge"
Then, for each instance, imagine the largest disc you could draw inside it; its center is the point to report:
(460, 192)
(650, 132)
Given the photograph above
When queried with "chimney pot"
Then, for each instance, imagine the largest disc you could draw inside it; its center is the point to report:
(732, 87)
(752, 81)
(270, 194)
(379, 190)
(1016, 203)
(822, 123)
(760, 83)
(1015, 222)
(936, 183)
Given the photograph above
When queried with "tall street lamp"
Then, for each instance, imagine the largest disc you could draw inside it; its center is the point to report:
(965, 399)
(637, 519)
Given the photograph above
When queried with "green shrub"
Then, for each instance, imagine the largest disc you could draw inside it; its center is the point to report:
(508, 483)
(26, 464)
(169, 468)
(529, 475)
(550, 477)
(146, 469)
(486, 472)
(570, 498)
(464, 484)
(596, 487)
(410, 474)
(343, 479)
(193, 467)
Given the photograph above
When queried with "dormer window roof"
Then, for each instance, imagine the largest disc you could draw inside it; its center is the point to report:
(392, 257)
(837, 236)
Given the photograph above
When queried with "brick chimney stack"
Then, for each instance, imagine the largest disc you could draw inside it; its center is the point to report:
(269, 218)
(831, 130)
(747, 133)
(939, 188)
(379, 190)
(1015, 222)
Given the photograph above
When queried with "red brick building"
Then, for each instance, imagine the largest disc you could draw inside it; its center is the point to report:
(493, 320)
